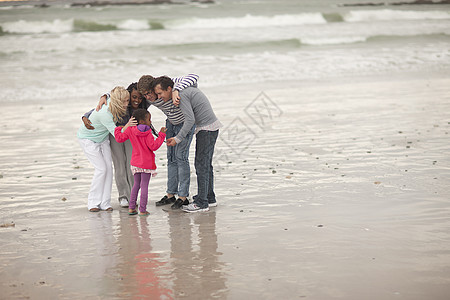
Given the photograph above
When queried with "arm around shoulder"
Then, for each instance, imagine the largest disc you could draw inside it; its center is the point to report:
(180, 83)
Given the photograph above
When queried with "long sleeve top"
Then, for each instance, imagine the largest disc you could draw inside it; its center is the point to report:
(182, 82)
(196, 109)
(173, 113)
(103, 123)
(143, 144)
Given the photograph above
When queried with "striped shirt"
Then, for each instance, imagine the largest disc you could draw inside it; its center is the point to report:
(173, 113)
(182, 82)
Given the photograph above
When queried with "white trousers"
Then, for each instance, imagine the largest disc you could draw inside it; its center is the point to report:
(99, 155)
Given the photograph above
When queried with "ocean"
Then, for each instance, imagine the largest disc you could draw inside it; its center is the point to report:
(331, 171)
(63, 51)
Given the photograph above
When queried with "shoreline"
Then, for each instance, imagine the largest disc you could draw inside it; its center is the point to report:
(100, 3)
(400, 3)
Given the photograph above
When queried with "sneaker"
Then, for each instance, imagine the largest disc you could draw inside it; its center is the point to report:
(179, 203)
(123, 202)
(165, 200)
(193, 208)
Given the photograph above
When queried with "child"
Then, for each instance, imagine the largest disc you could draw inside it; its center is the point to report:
(142, 158)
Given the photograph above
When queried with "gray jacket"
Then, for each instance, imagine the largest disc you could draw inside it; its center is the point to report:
(196, 109)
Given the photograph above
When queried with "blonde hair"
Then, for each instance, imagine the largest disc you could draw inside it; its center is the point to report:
(118, 95)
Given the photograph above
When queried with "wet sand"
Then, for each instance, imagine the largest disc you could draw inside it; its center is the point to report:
(326, 190)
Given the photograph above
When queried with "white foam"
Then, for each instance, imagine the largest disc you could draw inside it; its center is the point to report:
(249, 21)
(55, 26)
(134, 25)
(333, 40)
(392, 15)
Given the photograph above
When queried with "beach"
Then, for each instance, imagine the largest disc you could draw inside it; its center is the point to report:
(342, 195)
(331, 168)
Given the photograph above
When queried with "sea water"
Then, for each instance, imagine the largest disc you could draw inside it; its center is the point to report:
(64, 51)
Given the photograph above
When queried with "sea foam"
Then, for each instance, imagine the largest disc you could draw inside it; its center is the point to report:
(55, 26)
(249, 21)
(134, 25)
(392, 15)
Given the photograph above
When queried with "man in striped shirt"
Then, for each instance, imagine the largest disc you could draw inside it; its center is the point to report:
(178, 169)
(197, 112)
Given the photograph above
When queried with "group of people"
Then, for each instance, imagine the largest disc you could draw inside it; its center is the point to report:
(120, 131)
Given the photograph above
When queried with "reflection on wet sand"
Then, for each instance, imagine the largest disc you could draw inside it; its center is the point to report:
(197, 271)
(193, 270)
(103, 258)
(140, 266)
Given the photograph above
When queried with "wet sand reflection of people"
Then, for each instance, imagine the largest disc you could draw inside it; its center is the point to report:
(198, 273)
(139, 269)
(103, 247)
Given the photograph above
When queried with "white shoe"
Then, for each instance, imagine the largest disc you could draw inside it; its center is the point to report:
(193, 208)
(214, 204)
(123, 202)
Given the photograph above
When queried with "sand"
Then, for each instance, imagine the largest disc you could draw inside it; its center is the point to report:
(336, 189)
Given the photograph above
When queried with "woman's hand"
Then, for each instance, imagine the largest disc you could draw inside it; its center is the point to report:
(101, 102)
(87, 123)
(175, 97)
(131, 122)
(163, 129)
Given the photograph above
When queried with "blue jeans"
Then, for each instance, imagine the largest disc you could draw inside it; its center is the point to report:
(178, 169)
(204, 151)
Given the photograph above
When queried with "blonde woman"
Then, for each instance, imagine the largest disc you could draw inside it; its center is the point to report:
(95, 144)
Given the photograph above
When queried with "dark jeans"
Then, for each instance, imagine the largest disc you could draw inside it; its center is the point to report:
(204, 151)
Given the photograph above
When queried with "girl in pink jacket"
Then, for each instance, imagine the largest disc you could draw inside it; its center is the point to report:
(142, 157)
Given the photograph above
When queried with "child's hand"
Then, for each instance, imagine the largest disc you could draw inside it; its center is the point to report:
(163, 129)
(101, 103)
(87, 123)
(175, 98)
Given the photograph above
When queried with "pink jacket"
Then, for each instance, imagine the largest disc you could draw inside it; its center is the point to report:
(143, 144)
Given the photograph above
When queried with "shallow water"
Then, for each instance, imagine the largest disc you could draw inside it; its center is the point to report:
(341, 194)
(63, 52)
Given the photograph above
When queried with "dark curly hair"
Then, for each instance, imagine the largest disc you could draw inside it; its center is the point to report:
(140, 114)
(144, 104)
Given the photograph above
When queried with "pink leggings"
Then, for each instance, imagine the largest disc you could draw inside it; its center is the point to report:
(141, 181)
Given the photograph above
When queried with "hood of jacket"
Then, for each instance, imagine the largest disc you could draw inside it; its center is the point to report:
(137, 132)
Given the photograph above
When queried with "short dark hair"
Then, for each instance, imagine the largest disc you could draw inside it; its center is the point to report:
(140, 114)
(163, 81)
